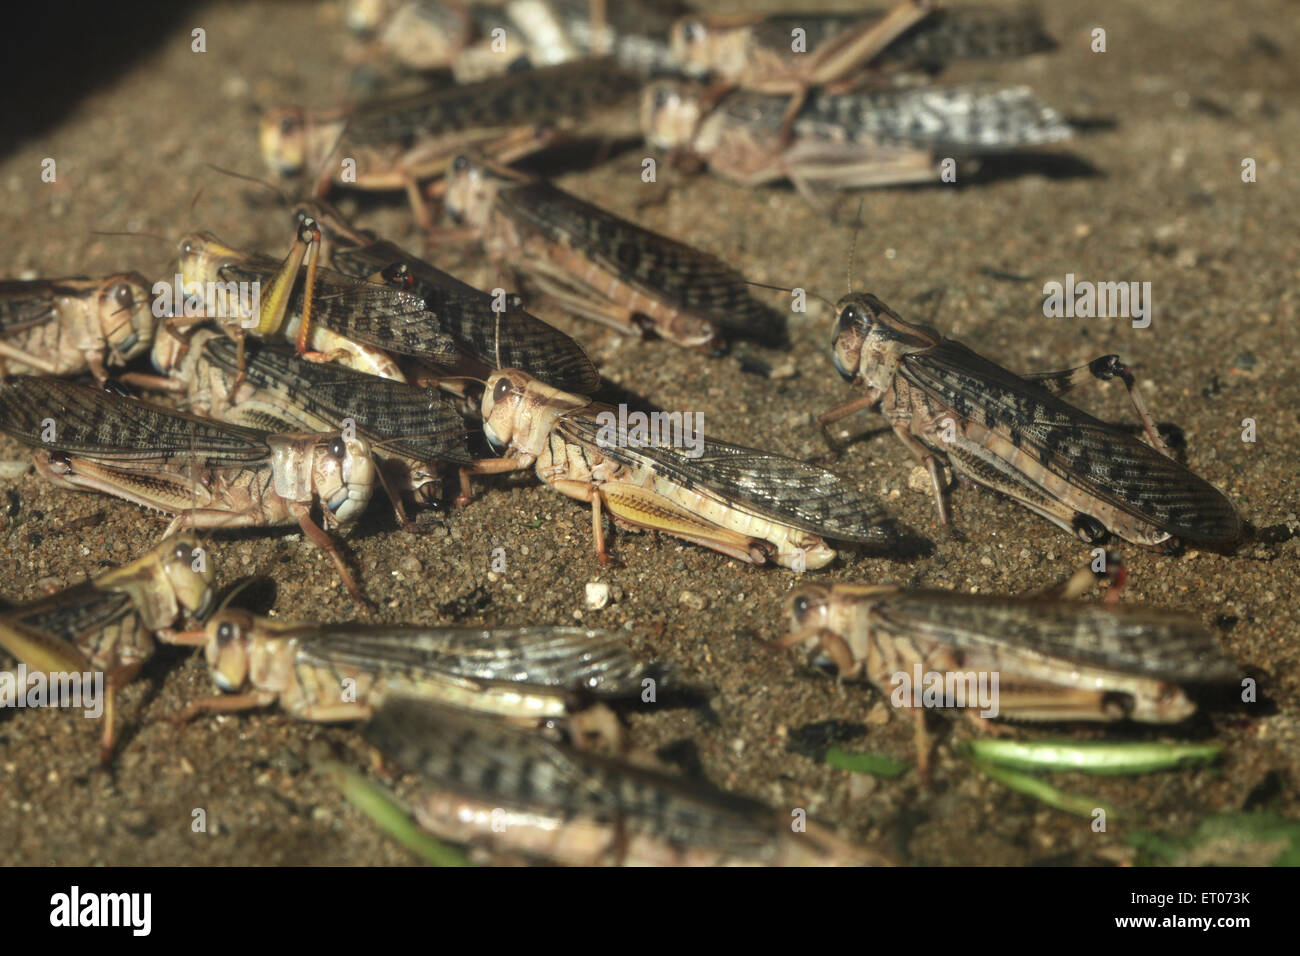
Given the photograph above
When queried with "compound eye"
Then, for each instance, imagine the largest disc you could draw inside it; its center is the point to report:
(460, 163)
(182, 552)
(850, 316)
(800, 607)
(123, 296)
(226, 632)
(187, 248)
(661, 96)
(338, 449)
(288, 125)
(501, 390)
(693, 31)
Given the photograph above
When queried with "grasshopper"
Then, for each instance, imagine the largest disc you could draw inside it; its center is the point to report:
(109, 624)
(1053, 659)
(412, 431)
(757, 52)
(516, 795)
(397, 142)
(852, 140)
(1016, 435)
(333, 317)
(68, 326)
(464, 38)
(342, 672)
(751, 505)
(603, 267)
(207, 474)
(486, 332)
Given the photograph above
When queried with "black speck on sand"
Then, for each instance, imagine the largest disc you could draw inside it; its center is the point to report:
(1191, 89)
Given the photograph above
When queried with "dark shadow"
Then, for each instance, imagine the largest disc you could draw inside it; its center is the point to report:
(59, 52)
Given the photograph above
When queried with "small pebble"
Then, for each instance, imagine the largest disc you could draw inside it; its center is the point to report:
(597, 595)
(696, 602)
(411, 564)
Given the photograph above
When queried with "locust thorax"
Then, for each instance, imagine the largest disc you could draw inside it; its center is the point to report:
(670, 114)
(699, 47)
(125, 313)
(471, 191)
(518, 412)
(871, 339)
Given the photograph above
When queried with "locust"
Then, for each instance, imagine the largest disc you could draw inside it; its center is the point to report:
(846, 141)
(752, 505)
(413, 432)
(206, 473)
(464, 38)
(1016, 435)
(1054, 659)
(395, 143)
(487, 331)
(357, 322)
(74, 325)
(109, 624)
(758, 52)
(343, 672)
(602, 267)
(512, 795)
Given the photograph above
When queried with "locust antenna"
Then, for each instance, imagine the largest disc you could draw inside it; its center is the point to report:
(789, 291)
(284, 199)
(853, 245)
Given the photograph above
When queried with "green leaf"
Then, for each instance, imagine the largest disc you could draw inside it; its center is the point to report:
(876, 764)
(1092, 756)
(1225, 839)
(389, 815)
(1039, 789)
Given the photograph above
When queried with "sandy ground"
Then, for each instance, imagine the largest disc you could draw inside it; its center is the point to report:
(1153, 194)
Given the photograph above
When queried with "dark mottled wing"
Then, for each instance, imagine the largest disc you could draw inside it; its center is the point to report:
(656, 266)
(1089, 454)
(792, 492)
(528, 98)
(484, 759)
(74, 612)
(25, 305)
(1131, 640)
(567, 658)
(422, 424)
(381, 315)
(93, 424)
(970, 33)
(524, 341)
(965, 119)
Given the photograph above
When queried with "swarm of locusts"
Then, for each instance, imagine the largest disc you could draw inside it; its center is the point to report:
(358, 368)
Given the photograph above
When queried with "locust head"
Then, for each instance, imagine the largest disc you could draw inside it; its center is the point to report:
(702, 47)
(670, 114)
(518, 411)
(871, 339)
(343, 476)
(126, 318)
(229, 648)
(171, 577)
(282, 134)
(472, 188)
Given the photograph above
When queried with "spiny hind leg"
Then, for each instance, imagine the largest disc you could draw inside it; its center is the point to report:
(1104, 368)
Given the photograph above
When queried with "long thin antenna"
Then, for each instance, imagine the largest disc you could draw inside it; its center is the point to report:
(790, 291)
(853, 246)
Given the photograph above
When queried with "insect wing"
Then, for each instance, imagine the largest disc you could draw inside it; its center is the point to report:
(659, 267)
(560, 657)
(1086, 452)
(795, 493)
(1139, 641)
(95, 425)
(25, 305)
